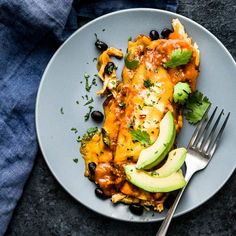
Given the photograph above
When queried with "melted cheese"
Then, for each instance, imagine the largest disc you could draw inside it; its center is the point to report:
(137, 106)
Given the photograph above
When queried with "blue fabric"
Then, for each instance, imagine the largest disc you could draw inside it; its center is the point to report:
(30, 32)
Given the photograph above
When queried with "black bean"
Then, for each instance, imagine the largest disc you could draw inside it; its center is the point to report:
(109, 68)
(100, 194)
(154, 35)
(166, 32)
(136, 209)
(101, 45)
(97, 116)
(92, 167)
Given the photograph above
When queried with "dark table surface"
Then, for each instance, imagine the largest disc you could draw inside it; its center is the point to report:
(46, 209)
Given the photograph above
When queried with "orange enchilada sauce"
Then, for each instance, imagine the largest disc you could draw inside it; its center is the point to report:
(138, 107)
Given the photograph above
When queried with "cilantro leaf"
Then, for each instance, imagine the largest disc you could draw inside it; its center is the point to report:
(131, 64)
(179, 57)
(196, 106)
(141, 136)
(89, 135)
(147, 83)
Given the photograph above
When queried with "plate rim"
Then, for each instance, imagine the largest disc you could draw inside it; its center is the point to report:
(157, 11)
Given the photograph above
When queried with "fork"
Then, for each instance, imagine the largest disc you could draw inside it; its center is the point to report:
(201, 148)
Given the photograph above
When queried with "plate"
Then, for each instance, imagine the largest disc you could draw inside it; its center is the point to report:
(63, 84)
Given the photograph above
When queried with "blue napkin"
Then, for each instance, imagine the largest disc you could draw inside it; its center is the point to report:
(30, 32)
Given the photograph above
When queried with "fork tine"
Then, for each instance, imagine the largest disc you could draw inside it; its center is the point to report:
(198, 129)
(218, 137)
(204, 134)
(210, 137)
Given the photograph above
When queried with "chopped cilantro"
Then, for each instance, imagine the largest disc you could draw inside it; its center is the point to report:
(94, 82)
(178, 57)
(86, 75)
(86, 116)
(74, 130)
(196, 106)
(77, 102)
(62, 110)
(130, 38)
(140, 136)
(89, 134)
(95, 59)
(89, 101)
(87, 85)
(147, 83)
(75, 160)
(131, 64)
(78, 139)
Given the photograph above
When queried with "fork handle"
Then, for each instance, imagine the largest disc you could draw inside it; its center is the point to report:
(166, 222)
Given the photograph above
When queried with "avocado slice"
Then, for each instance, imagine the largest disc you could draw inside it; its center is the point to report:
(154, 154)
(153, 183)
(174, 162)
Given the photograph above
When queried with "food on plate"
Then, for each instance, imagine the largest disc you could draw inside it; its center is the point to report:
(126, 158)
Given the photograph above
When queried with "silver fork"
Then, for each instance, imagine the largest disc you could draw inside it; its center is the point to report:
(201, 148)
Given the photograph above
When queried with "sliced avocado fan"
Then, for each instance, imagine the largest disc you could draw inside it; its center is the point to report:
(154, 154)
(154, 184)
(165, 179)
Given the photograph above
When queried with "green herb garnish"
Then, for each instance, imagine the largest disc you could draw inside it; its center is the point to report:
(74, 130)
(94, 82)
(86, 116)
(62, 110)
(90, 133)
(75, 160)
(196, 106)
(78, 139)
(140, 136)
(147, 83)
(86, 75)
(130, 38)
(89, 101)
(178, 57)
(87, 85)
(131, 64)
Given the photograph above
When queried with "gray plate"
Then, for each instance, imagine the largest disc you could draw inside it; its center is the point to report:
(61, 87)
